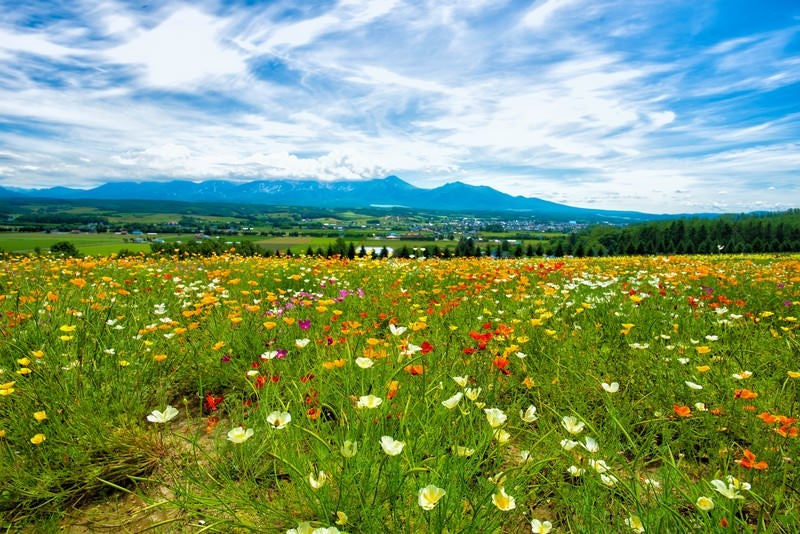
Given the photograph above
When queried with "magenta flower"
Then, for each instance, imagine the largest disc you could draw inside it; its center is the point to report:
(304, 324)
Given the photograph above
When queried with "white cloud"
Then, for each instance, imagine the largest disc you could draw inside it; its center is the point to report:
(186, 48)
(541, 101)
(31, 43)
(543, 11)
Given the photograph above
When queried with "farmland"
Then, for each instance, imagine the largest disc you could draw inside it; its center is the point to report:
(287, 394)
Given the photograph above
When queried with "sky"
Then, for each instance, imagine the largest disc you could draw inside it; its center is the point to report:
(679, 106)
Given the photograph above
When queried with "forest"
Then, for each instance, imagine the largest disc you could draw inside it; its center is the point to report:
(778, 232)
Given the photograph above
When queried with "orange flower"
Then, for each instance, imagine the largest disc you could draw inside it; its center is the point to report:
(211, 423)
(528, 382)
(334, 363)
(393, 386)
(768, 417)
(749, 461)
(787, 431)
(682, 411)
(501, 363)
(414, 370)
(313, 413)
(745, 394)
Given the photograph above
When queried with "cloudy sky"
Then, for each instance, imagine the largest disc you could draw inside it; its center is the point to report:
(659, 106)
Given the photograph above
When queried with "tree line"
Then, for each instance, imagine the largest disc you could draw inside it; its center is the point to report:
(722, 235)
(773, 233)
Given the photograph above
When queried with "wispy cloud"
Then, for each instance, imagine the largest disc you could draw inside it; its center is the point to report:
(610, 104)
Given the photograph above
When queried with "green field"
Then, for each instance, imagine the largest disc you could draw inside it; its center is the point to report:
(89, 244)
(232, 394)
(107, 243)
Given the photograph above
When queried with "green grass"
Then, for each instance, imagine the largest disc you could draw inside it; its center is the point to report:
(27, 242)
(474, 365)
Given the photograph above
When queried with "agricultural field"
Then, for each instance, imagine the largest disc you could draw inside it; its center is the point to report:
(90, 244)
(302, 394)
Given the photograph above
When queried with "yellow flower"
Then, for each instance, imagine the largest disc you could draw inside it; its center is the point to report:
(65, 338)
(364, 363)
(703, 349)
(472, 393)
(705, 503)
(541, 527)
(24, 371)
(703, 368)
(503, 500)
(24, 361)
(429, 496)
(502, 436)
(316, 482)
(37, 353)
(67, 328)
(460, 450)
(793, 374)
(391, 446)
(572, 425)
(124, 363)
(495, 416)
(369, 401)
(341, 518)
(635, 523)
(40, 416)
(239, 434)
(37, 439)
(453, 401)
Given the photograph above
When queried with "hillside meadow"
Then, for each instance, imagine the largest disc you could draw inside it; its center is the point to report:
(230, 394)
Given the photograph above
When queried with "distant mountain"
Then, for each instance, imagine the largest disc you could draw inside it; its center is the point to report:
(384, 192)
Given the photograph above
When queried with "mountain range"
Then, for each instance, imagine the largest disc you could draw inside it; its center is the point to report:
(389, 192)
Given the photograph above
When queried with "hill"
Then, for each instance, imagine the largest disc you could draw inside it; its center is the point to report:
(386, 192)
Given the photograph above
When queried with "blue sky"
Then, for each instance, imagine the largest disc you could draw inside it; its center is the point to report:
(663, 107)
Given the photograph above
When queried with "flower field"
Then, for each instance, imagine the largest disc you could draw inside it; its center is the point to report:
(468, 395)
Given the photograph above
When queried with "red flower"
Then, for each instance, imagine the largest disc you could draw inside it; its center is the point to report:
(426, 347)
(477, 336)
(211, 403)
(501, 363)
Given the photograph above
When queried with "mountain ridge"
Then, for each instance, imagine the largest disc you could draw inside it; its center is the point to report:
(389, 191)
